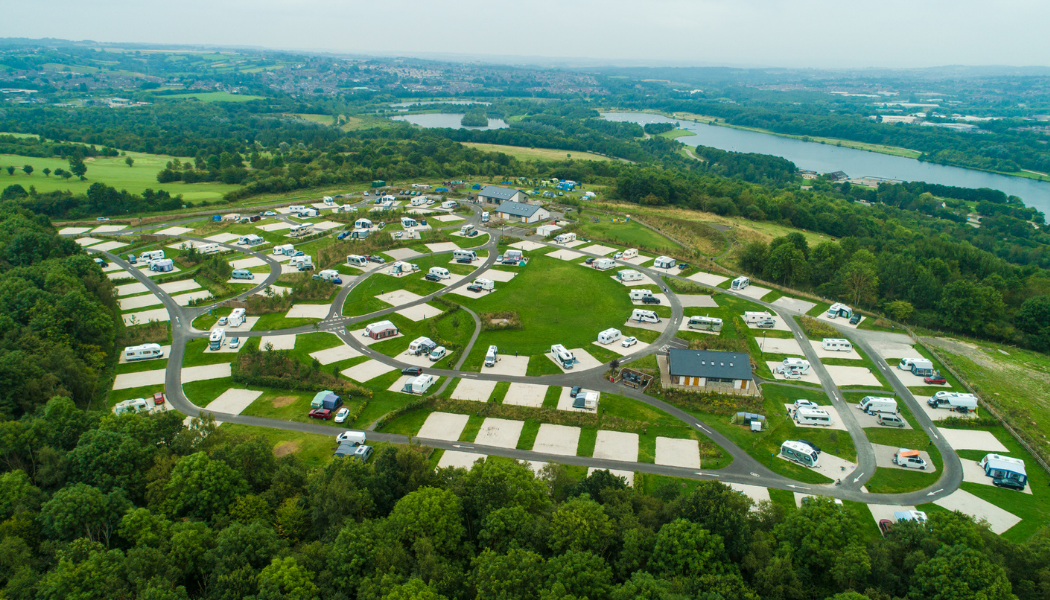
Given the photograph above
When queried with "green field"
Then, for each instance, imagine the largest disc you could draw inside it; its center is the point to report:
(630, 234)
(544, 154)
(212, 97)
(109, 170)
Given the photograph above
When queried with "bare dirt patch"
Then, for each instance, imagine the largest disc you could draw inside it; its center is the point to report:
(286, 448)
(282, 401)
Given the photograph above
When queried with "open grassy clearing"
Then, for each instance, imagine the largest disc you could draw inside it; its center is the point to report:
(211, 97)
(543, 154)
(630, 234)
(362, 299)
(313, 449)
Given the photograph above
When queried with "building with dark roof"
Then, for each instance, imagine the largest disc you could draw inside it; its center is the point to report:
(524, 213)
(709, 369)
(494, 194)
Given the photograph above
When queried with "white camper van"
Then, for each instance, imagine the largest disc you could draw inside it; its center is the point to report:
(755, 317)
(664, 262)
(740, 283)
(301, 230)
(875, 404)
(464, 230)
(629, 275)
(644, 316)
(209, 248)
(449, 204)
(609, 336)
(705, 323)
(563, 356)
(464, 255)
(440, 272)
(236, 318)
(355, 260)
(640, 294)
(836, 345)
(793, 364)
(143, 352)
(491, 356)
(217, 338)
(808, 415)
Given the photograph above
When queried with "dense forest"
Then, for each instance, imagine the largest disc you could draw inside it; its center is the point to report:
(138, 506)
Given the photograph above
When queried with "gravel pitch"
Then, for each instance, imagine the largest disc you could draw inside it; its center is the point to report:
(998, 519)
(707, 278)
(233, 401)
(557, 439)
(366, 371)
(443, 426)
(474, 390)
(616, 445)
(501, 433)
(678, 453)
(453, 459)
(525, 394)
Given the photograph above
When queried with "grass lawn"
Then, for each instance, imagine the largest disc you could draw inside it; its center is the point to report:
(543, 154)
(212, 97)
(205, 321)
(113, 172)
(629, 234)
(293, 405)
(277, 320)
(313, 449)
(362, 299)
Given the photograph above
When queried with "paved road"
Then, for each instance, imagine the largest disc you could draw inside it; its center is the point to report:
(743, 469)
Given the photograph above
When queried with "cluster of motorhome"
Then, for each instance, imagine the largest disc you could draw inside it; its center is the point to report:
(154, 260)
(299, 259)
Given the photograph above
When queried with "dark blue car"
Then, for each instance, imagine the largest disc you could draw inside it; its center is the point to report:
(343, 235)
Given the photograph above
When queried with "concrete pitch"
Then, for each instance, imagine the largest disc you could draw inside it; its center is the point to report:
(448, 218)
(627, 475)
(249, 322)
(501, 433)
(109, 246)
(443, 426)
(755, 492)
(278, 226)
(836, 419)
(697, 301)
(87, 241)
(454, 278)
(175, 287)
(474, 390)
(645, 280)
(139, 302)
(420, 312)
(754, 291)
(127, 381)
(676, 271)
(618, 348)
(206, 372)
(442, 247)
(525, 394)
(233, 401)
(185, 299)
(401, 253)
(658, 327)
(852, 376)
(564, 254)
(616, 445)
(910, 380)
(454, 459)
(565, 402)
(867, 420)
(279, 342)
(289, 269)
(247, 263)
(498, 275)
(818, 347)
(678, 453)
(527, 246)
(794, 305)
(707, 278)
(896, 346)
(573, 243)
(584, 361)
(661, 297)
(222, 238)
(359, 335)
(998, 519)
(598, 249)
(463, 291)
(73, 230)
(326, 225)
(884, 459)
(516, 366)
(781, 325)
(810, 377)
(780, 346)
(140, 318)
(418, 360)
(399, 297)
(638, 260)
(173, 231)
(839, 321)
(115, 275)
(165, 350)
(308, 311)
(973, 473)
(557, 439)
(334, 355)
(963, 439)
(399, 385)
(936, 414)
(366, 371)
(109, 228)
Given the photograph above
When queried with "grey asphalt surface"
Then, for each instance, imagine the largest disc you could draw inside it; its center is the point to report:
(743, 469)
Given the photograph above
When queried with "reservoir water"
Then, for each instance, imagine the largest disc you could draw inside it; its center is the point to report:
(856, 163)
(449, 120)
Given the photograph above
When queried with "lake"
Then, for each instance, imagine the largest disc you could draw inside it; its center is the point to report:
(826, 158)
(451, 121)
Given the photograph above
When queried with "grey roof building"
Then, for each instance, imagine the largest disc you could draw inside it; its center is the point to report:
(526, 213)
(494, 193)
(709, 369)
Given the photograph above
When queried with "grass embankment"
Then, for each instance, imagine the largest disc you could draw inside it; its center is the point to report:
(630, 234)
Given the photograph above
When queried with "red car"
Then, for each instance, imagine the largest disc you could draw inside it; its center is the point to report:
(158, 398)
(935, 379)
(885, 525)
(321, 413)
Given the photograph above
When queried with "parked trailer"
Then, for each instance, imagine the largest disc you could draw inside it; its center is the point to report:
(609, 336)
(464, 255)
(808, 415)
(664, 262)
(875, 404)
(440, 272)
(964, 403)
(740, 283)
(407, 222)
(491, 356)
(1004, 467)
(603, 264)
(565, 238)
(356, 260)
(705, 323)
(629, 275)
(755, 317)
(362, 224)
(143, 352)
(359, 234)
(644, 316)
(801, 453)
(794, 364)
(920, 367)
(485, 284)
(419, 385)
(836, 345)
(285, 249)
(421, 345)
(152, 255)
(640, 294)
(839, 310)
(563, 356)
(629, 253)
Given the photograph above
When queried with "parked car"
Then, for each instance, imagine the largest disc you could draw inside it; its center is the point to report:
(269, 213)
(431, 277)
(473, 232)
(575, 390)
(298, 253)
(158, 398)
(629, 341)
(342, 235)
(474, 288)
(803, 402)
(885, 526)
(377, 259)
(398, 235)
(589, 261)
(235, 343)
(320, 413)
(936, 379)
(855, 319)
(766, 324)
(222, 321)
(650, 300)
(683, 266)
(342, 414)
(1006, 482)
(618, 256)
(889, 420)
(464, 261)
(412, 371)
(102, 219)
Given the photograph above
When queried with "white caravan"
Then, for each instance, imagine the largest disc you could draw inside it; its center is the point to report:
(740, 283)
(808, 415)
(640, 294)
(644, 316)
(143, 352)
(440, 272)
(629, 275)
(609, 336)
(705, 323)
(836, 345)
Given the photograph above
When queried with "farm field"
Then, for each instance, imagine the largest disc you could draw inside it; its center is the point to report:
(547, 154)
(212, 97)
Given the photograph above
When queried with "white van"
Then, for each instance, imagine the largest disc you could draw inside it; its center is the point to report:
(464, 255)
(356, 260)
(437, 353)
(664, 262)
(485, 284)
(875, 404)
(629, 253)
(484, 217)
(609, 336)
(563, 356)
(490, 356)
(705, 323)
(808, 415)
(640, 294)
(301, 230)
(644, 316)
(441, 272)
(216, 339)
(143, 352)
(209, 249)
(794, 364)
(284, 250)
(909, 459)
(629, 275)
(836, 345)
(740, 283)
(603, 264)
(236, 318)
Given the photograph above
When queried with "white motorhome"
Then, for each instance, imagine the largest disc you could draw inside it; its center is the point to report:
(836, 345)
(407, 222)
(808, 415)
(286, 249)
(755, 317)
(875, 404)
(328, 200)
(298, 261)
(362, 224)
(839, 310)
(419, 385)
(440, 272)
(143, 352)
(419, 201)
(209, 249)
(464, 230)
(565, 238)
(491, 356)
(449, 204)
(356, 260)
(296, 209)
(740, 283)
(486, 284)
(803, 454)
(236, 318)
(563, 356)
(217, 338)
(664, 262)
(603, 264)
(464, 255)
(421, 345)
(629, 253)
(135, 405)
(629, 275)
(609, 336)
(301, 230)
(637, 295)
(484, 217)
(328, 274)
(152, 255)
(644, 316)
(705, 323)
(921, 367)
(794, 364)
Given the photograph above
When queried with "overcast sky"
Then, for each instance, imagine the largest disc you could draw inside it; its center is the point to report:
(788, 33)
